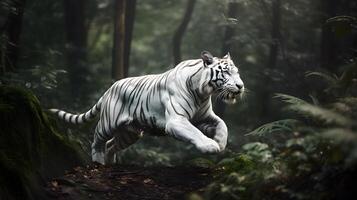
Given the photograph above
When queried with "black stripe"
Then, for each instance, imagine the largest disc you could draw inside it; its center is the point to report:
(76, 119)
(175, 108)
(90, 113)
(188, 114)
(100, 136)
(64, 116)
(188, 103)
(206, 110)
(139, 99)
(147, 102)
(83, 118)
(134, 91)
(124, 99)
(118, 93)
(190, 86)
(142, 114)
(152, 121)
(137, 92)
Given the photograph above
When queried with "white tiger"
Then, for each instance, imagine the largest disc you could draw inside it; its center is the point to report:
(175, 103)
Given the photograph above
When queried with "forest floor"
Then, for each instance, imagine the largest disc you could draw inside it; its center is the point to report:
(128, 182)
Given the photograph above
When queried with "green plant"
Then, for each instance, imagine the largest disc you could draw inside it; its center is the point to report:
(320, 146)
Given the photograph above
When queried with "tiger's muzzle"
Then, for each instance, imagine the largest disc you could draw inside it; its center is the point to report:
(231, 94)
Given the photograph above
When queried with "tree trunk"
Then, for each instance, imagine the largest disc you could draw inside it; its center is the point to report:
(328, 46)
(76, 37)
(265, 94)
(11, 36)
(129, 26)
(233, 7)
(180, 31)
(275, 34)
(123, 29)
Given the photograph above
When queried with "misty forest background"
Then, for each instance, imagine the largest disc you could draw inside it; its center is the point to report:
(293, 134)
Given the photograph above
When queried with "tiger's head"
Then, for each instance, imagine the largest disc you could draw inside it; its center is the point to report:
(224, 77)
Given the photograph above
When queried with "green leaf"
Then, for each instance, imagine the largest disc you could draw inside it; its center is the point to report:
(276, 126)
(330, 78)
(342, 25)
(323, 114)
(340, 135)
(289, 99)
(352, 101)
(259, 151)
(255, 146)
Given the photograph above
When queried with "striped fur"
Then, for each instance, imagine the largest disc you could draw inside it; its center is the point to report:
(78, 119)
(175, 103)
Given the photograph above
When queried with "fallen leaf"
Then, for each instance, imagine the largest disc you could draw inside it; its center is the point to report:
(54, 184)
(148, 180)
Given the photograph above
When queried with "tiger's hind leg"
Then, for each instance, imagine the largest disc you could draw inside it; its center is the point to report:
(122, 140)
(98, 149)
(99, 141)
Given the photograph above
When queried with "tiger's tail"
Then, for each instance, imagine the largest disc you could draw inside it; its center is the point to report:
(78, 118)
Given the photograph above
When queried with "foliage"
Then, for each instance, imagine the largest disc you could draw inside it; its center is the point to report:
(31, 150)
(39, 78)
(320, 149)
(342, 25)
(312, 143)
(277, 126)
(239, 174)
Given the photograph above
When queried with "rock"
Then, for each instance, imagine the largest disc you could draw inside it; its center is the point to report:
(31, 151)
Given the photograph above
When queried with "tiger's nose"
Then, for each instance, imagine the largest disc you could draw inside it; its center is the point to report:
(239, 86)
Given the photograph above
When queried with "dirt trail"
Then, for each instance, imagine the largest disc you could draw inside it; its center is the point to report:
(128, 182)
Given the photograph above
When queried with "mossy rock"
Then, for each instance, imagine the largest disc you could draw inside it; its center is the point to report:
(31, 151)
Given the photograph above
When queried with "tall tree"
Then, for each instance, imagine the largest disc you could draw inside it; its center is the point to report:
(233, 7)
(76, 44)
(275, 34)
(328, 46)
(180, 31)
(334, 48)
(123, 29)
(274, 47)
(10, 33)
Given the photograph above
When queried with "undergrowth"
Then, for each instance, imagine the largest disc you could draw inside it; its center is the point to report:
(316, 159)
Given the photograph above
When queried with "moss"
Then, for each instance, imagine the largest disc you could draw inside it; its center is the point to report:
(30, 149)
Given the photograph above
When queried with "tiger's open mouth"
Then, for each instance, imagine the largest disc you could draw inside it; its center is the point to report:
(230, 97)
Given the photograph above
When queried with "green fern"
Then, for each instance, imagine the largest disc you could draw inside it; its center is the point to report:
(332, 79)
(280, 125)
(315, 112)
(351, 101)
(343, 18)
(340, 135)
(290, 99)
(323, 114)
(346, 141)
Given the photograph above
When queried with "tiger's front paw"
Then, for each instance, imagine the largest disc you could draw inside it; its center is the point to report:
(208, 146)
(221, 141)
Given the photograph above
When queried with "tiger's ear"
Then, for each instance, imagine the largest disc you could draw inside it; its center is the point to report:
(207, 58)
(228, 56)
